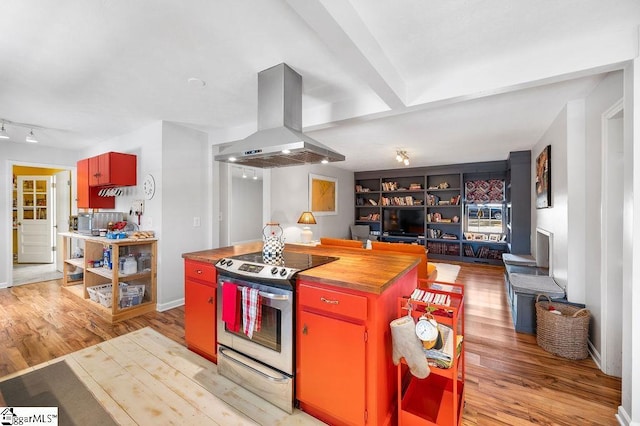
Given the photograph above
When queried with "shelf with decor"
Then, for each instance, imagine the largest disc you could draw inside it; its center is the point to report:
(437, 399)
(433, 199)
(115, 277)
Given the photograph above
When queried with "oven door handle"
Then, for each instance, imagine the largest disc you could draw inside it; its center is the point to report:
(272, 296)
(266, 376)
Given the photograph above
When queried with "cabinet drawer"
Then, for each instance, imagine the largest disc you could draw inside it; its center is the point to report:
(335, 302)
(201, 271)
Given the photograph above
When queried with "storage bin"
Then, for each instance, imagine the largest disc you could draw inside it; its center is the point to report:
(102, 293)
(564, 335)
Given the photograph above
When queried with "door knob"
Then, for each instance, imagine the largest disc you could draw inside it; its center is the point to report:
(210, 301)
(304, 329)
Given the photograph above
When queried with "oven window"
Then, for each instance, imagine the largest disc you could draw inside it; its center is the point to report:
(270, 334)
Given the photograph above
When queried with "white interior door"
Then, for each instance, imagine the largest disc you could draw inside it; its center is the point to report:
(62, 211)
(35, 221)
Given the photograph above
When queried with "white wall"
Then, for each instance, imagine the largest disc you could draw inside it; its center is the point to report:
(246, 210)
(23, 153)
(183, 202)
(554, 219)
(290, 197)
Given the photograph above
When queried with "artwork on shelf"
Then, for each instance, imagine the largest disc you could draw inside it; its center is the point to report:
(543, 179)
(323, 195)
(484, 191)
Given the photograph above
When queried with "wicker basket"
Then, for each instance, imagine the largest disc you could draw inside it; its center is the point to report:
(563, 335)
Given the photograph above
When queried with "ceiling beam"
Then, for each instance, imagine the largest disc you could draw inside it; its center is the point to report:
(339, 26)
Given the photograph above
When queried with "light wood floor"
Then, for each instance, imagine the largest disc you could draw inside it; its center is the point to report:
(510, 380)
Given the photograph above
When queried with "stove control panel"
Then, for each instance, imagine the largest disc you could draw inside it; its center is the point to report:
(256, 270)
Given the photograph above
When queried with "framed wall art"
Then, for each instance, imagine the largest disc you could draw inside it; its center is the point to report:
(543, 179)
(323, 195)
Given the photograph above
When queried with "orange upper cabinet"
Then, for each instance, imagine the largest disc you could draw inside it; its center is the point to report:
(113, 169)
(88, 197)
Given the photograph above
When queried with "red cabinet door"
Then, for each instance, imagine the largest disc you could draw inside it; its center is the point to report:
(113, 169)
(331, 366)
(88, 197)
(200, 317)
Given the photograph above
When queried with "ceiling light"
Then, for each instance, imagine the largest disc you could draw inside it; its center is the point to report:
(286, 151)
(31, 138)
(402, 157)
(325, 161)
(244, 174)
(3, 133)
(255, 177)
(232, 159)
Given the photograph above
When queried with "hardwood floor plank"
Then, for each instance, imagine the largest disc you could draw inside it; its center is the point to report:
(510, 380)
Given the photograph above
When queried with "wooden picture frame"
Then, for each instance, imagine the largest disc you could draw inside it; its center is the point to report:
(543, 179)
(323, 195)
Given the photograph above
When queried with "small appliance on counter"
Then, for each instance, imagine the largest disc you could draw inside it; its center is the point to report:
(92, 223)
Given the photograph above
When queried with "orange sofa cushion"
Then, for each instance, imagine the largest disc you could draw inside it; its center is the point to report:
(326, 241)
(426, 270)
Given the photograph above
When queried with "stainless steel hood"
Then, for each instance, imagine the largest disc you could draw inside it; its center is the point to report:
(279, 141)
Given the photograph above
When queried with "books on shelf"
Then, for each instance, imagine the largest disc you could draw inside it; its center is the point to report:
(400, 201)
(430, 297)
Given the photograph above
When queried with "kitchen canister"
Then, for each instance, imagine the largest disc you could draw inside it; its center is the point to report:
(130, 265)
(273, 244)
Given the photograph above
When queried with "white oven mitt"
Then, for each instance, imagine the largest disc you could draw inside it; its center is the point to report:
(406, 344)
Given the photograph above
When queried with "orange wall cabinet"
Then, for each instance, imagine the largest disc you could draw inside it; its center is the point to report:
(113, 169)
(437, 399)
(200, 308)
(88, 196)
(344, 369)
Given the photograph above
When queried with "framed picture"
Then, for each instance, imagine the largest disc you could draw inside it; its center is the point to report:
(494, 237)
(323, 195)
(479, 237)
(543, 179)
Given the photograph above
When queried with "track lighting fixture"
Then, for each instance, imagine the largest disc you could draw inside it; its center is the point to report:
(255, 177)
(244, 174)
(3, 133)
(402, 157)
(31, 138)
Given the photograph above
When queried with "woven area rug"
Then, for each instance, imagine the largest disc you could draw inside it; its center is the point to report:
(55, 385)
(447, 272)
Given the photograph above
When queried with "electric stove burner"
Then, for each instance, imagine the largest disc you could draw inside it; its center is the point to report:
(254, 265)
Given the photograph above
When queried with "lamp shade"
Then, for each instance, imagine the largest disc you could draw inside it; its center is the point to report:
(307, 218)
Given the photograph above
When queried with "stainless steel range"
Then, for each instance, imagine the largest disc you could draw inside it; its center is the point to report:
(263, 363)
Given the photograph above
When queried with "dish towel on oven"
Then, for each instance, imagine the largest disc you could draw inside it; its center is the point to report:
(230, 311)
(252, 311)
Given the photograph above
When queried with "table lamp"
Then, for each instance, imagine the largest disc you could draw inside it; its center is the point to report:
(306, 218)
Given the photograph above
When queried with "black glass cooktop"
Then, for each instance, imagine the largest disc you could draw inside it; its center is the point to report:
(293, 260)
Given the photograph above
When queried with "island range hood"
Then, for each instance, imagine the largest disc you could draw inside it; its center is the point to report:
(279, 141)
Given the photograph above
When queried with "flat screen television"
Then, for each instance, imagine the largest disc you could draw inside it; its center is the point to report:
(403, 222)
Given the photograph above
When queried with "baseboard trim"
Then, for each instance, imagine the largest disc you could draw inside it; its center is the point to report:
(623, 417)
(161, 307)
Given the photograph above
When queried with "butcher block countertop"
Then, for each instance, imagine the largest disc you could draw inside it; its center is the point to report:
(356, 269)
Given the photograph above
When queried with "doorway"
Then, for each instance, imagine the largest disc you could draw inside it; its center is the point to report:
(611, 234)
(47, 209)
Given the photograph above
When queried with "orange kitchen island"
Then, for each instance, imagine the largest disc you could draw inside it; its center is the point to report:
(344, 369)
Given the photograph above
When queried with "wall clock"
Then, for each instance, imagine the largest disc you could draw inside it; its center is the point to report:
(149, 186)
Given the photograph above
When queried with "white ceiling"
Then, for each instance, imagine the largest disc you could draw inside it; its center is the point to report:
(447, 81)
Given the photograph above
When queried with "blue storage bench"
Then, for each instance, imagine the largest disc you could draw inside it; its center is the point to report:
(523, 284)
